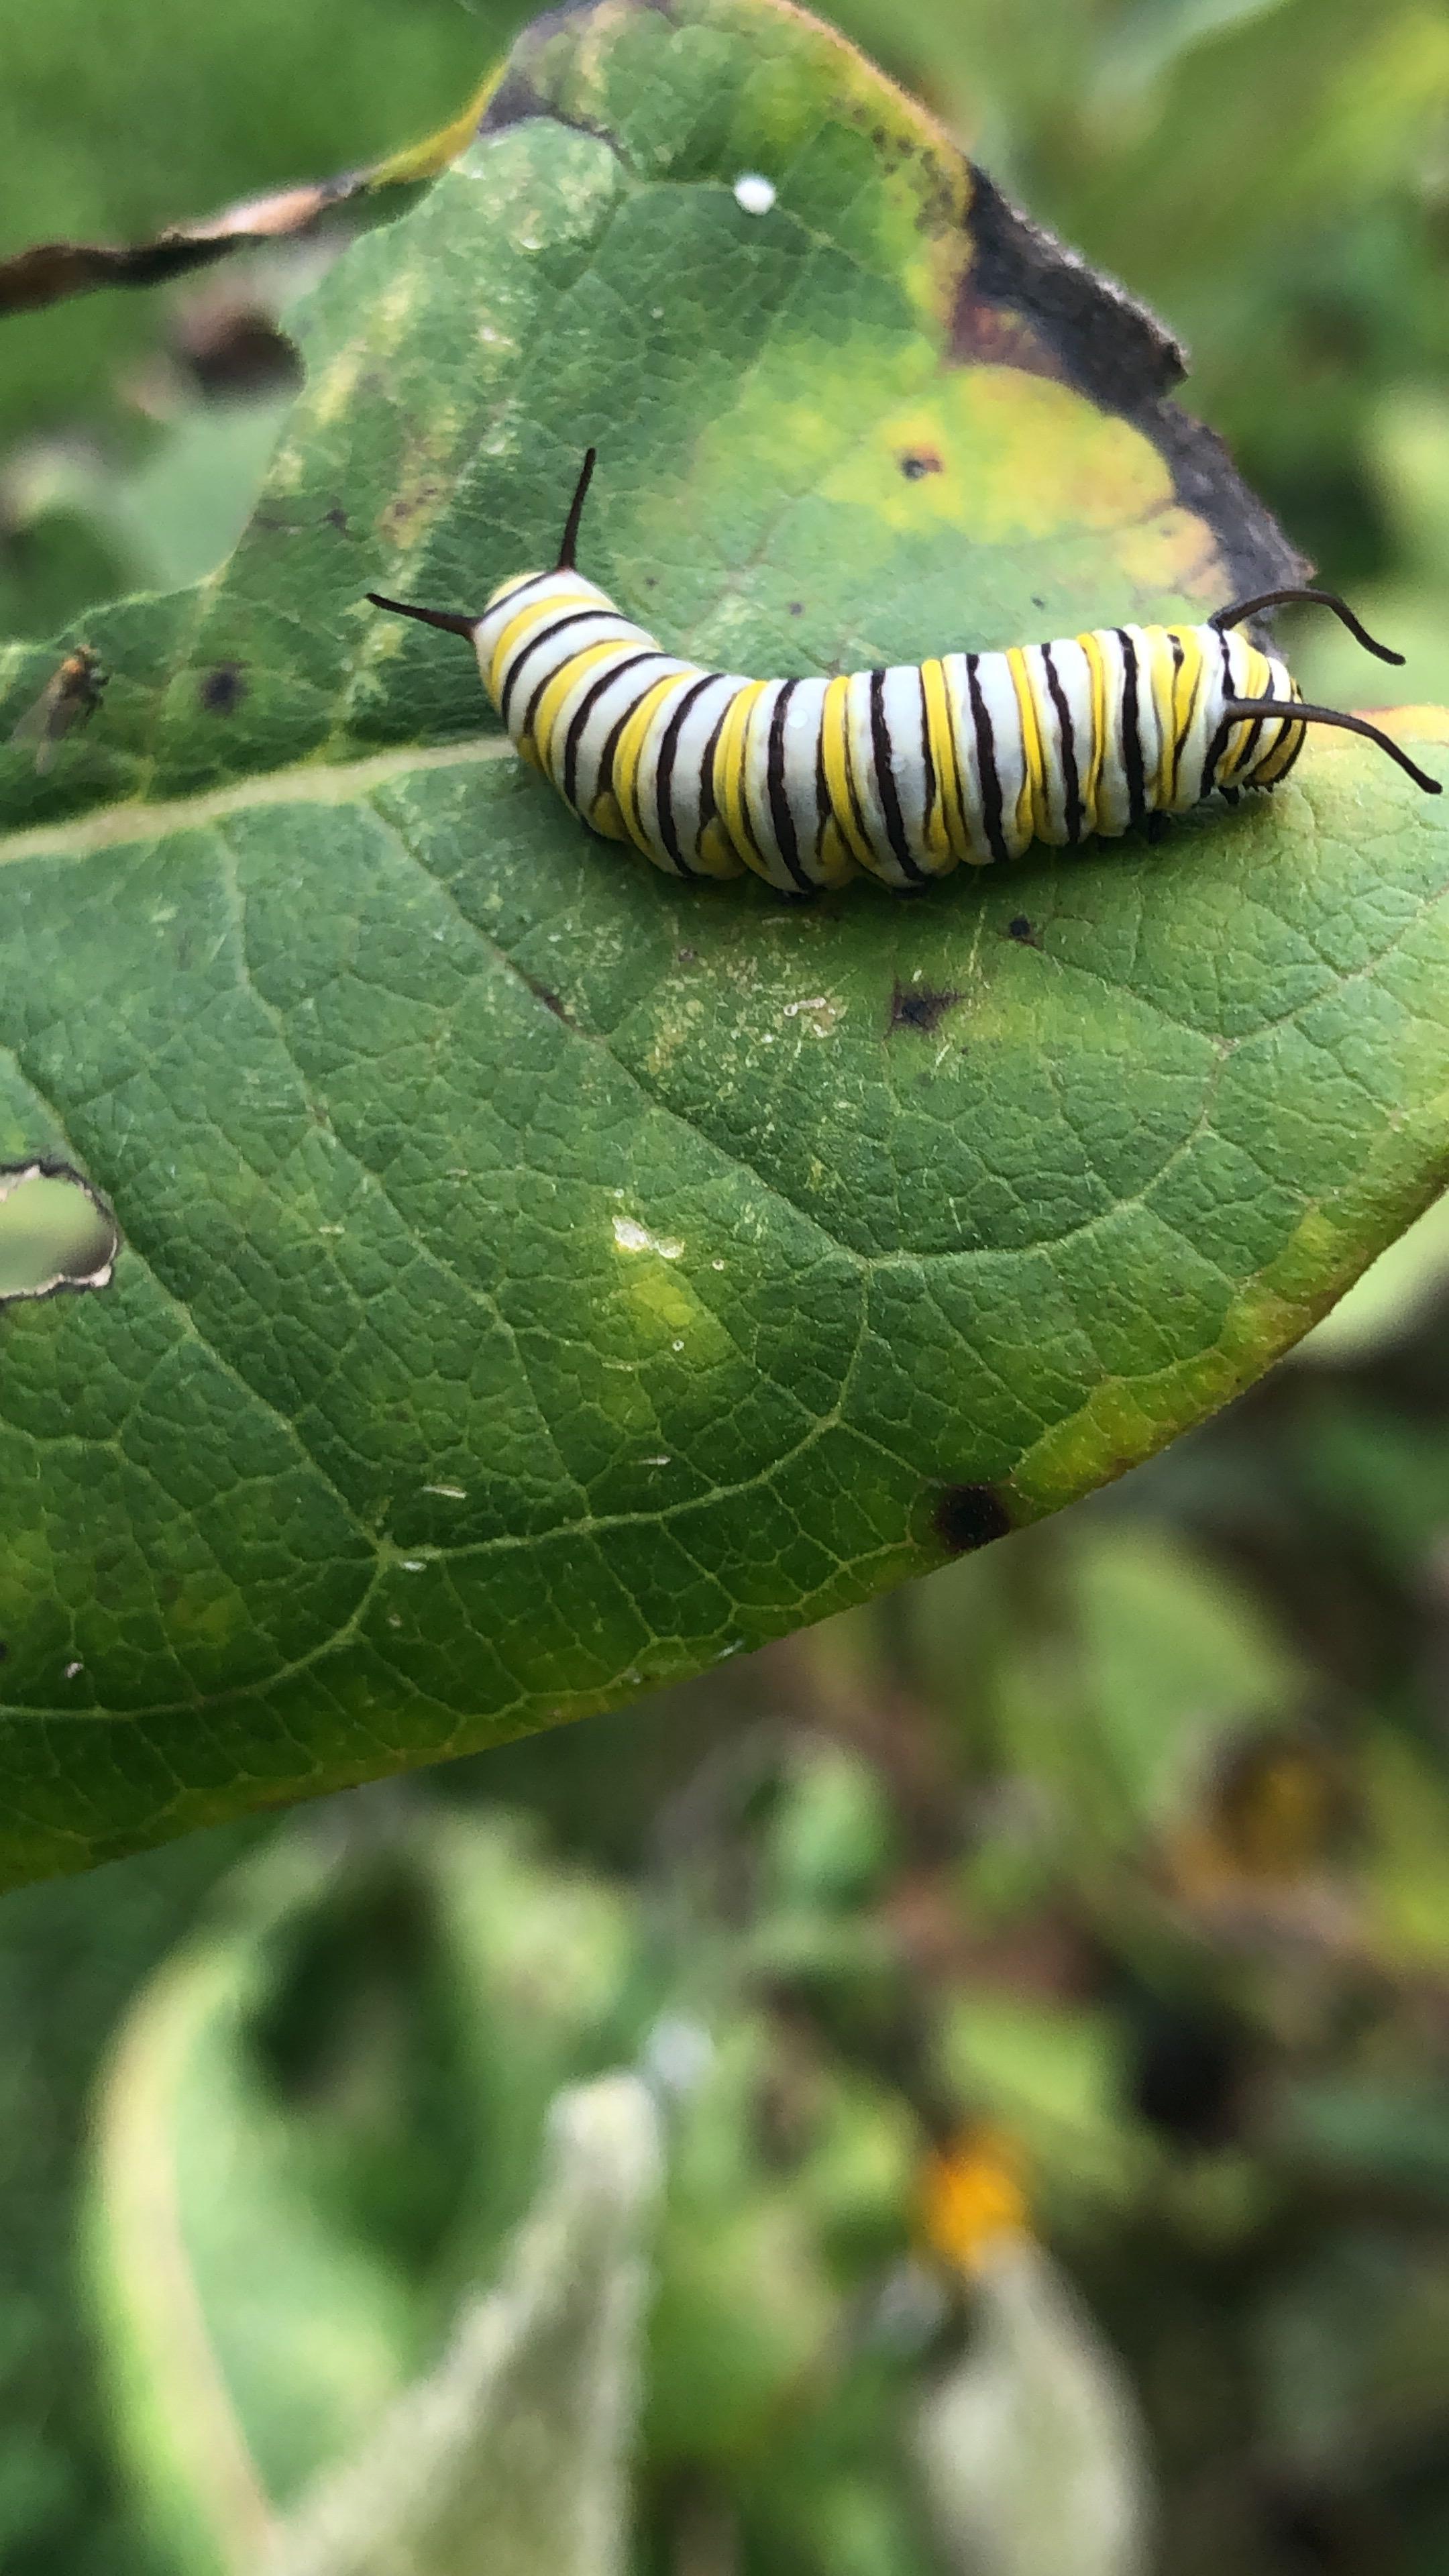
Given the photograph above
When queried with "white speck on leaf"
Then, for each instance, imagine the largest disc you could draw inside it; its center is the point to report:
(632, 1237)
(754, 194)
(72, 1669)
(450, 1493)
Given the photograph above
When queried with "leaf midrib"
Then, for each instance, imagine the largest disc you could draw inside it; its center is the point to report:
(310, 782)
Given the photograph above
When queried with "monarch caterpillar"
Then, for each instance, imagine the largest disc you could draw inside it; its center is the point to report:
(904, 772)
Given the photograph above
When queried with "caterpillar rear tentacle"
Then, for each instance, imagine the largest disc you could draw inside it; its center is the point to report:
(903, 773)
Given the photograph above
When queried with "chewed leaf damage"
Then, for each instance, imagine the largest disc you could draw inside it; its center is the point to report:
(55, 1233)
(50, 272)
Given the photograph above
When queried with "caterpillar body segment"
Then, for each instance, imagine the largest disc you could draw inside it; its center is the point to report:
(903, 773)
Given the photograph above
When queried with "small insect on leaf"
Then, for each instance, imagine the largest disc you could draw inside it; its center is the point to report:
(69, 698)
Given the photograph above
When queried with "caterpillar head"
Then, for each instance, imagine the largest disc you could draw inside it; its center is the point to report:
(1257, 751)
(563, 582)
(1259, 740)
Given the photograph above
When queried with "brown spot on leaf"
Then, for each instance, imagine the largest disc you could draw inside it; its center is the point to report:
(223, 689)
(551, 1000)
(1020, 928)
(920, 461)
(414, 502)
(970, 1516)
(282, 523)
(1068, 321)
(920, 1006)
(983, 336)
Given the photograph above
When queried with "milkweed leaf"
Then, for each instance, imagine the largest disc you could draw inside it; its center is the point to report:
(539, 1281)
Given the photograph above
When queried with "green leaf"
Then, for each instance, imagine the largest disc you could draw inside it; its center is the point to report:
(540, 1280)
(1164, 1663)
(320, 2128)
(524, 2430)
(749, 2309)
(246, 2332)
(1051, 2074)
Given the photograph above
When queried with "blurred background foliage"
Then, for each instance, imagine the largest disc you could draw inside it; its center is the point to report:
(1045, 1971)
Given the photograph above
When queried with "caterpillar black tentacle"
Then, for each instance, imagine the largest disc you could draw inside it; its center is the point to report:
(1243, 609)
(1305, 714)
(451, 620)
(903, 773)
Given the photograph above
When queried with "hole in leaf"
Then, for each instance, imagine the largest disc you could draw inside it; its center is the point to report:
(54, 1233)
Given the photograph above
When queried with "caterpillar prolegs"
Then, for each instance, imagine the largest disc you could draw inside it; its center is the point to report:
(905, 773)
